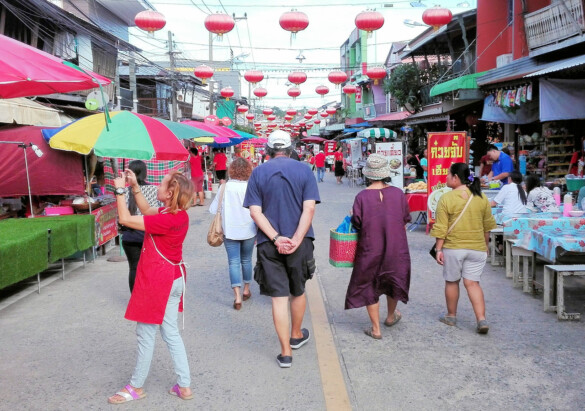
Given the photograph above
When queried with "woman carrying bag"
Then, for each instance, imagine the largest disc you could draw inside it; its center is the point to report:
(463, 222)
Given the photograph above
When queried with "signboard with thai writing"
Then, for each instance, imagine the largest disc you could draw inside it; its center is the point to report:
(358, 94)
(395, 155)
(443, 149)
(106, 223)
(355, 151)
(330, 148)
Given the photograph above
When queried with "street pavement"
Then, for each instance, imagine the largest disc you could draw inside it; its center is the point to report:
(69, 347)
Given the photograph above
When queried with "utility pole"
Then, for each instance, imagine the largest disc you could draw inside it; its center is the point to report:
(211, 82)
(132, 78)
(175, 106)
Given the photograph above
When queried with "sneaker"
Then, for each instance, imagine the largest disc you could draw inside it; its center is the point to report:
(284, 361)
(483, 327)
(296, 343)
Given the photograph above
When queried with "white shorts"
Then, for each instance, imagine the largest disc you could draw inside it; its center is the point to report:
(463, 263)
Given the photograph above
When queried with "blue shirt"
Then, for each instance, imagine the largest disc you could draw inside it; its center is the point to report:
(504, 164)
(279, 187)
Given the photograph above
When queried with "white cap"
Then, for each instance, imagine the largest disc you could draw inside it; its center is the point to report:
(282, 138)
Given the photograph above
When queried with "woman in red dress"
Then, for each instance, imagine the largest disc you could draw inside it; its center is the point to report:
(160, 278)
(339, 170)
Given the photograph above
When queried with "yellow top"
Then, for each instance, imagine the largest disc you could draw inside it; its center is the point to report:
(469, 233)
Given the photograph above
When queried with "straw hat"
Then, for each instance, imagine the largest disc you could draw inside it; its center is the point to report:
(377, 167)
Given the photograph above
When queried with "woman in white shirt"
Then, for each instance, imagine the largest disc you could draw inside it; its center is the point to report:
(238, 228)
(512, 196)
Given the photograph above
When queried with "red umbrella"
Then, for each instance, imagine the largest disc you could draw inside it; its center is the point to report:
(313, 139)
(27, 71)
(217, 130)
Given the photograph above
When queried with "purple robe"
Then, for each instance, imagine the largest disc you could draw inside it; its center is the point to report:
(382, 260)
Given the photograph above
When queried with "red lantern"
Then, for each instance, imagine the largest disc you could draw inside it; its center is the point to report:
(226, 121)
(331, 110)
(203, 72)
(227, 93)
(322, 90)
(219, 23)
(294, 92)
(258, 125)
(337, 77)
(376, 74)
(267, 111)
(253, 76)
(349, 89)
(291, 112)
(150, 20)
(437, 17)
(324, 114)
(302, 124)
(297, 77)
(260, 92)
(308, 116)
(271, 126)
(369, 21)
(312, 111)
(317, 121)
(250, 117)
(271, 117)
(242, 109)
(294, 21)
(288, 117)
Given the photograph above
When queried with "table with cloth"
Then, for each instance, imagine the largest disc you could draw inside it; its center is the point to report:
(417, 202)
(27, 247)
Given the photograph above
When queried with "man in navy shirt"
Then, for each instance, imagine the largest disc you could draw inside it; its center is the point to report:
(502, 166)
(281, 195)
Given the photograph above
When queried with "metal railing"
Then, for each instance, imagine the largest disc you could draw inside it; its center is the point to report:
(554, 23)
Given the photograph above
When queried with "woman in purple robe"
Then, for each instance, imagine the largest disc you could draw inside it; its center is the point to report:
(382, 260)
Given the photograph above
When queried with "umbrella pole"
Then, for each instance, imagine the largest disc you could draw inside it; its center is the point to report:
(32, 211)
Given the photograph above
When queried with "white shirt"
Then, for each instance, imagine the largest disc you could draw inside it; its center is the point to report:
(509, 198)
(235, 219)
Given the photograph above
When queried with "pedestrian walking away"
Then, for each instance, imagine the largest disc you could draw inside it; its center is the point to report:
(239, 229)
(160, 279)
(463, 222)
(132, 239)
(339, 168)
(281, 196)
(196, 164)
(320, 164)
(382, 260)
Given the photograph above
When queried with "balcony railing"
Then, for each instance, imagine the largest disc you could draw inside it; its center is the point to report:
(374, 110)
(154, 107)
(553, 23)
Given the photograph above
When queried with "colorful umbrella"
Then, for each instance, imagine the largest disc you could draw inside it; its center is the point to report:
(129, 135)
(28, 71)
(211, 140)
(313, 139)
(216, 130)
(377, 133)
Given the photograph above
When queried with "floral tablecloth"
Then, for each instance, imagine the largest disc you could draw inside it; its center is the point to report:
(552, 242)
(518, 224)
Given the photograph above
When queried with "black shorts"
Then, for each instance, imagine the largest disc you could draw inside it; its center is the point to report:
(282, 275)
(220, 174)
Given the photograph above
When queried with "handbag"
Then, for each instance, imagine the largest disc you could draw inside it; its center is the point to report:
(433, 250)
(215, 233)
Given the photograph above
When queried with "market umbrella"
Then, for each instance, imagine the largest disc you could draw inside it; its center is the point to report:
(218, 131)
(129, 135)
(28, 71)
(211, 140)
(258, 141)
(377, 133)
(313, 139)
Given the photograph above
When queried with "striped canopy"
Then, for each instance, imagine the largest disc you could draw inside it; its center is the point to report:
(377, 133)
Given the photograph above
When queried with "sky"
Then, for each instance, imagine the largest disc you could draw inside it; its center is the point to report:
(258, 42)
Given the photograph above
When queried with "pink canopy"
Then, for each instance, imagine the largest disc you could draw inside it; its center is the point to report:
(219, 131)
(55, 173)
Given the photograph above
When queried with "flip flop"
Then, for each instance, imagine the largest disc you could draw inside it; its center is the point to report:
(397, 317)
(177, 392)
(246, 297)
(131, 395)
(369, 333)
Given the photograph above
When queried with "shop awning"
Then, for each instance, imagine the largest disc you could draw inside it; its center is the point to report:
(428, 114)
(398, 116)
(460, 83)
(25, 112)
(560, 65)
(562, 99)
(377, 133)
(525, 114)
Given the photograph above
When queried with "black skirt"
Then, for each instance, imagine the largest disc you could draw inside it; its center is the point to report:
(339, 172)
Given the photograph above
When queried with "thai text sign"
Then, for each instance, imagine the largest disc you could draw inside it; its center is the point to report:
(358, 94)
(329, 148)
(106, 223)
(443, 149)
(393, 152)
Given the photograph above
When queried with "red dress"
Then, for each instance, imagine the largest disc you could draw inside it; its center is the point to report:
(154, 275)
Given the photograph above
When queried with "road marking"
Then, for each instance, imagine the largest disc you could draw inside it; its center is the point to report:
(334, 389)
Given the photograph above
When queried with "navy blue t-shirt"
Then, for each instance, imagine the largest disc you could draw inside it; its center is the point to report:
(504, 164)
(280, 186)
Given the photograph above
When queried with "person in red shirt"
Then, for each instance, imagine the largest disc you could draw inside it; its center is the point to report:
(160, 278)
(220, 165)
(320, 164)
(196, 161)
(339, 169)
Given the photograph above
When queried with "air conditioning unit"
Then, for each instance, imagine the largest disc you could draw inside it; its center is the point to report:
(503, 59)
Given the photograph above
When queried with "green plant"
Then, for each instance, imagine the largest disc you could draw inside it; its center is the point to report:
(404, 86)
(245, 129)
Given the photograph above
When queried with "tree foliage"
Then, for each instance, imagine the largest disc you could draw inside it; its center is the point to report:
(404, 86)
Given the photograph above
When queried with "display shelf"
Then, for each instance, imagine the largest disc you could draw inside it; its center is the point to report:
(559, 145)
(558, 173)
(559, 164)
(559, 155)
(561, 136)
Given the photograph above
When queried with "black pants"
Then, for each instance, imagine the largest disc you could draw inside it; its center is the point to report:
(132, 251)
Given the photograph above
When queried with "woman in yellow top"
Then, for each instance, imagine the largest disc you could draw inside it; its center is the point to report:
(463, 251)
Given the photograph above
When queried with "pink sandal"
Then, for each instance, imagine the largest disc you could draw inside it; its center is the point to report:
(176, 390)
(131, 395)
